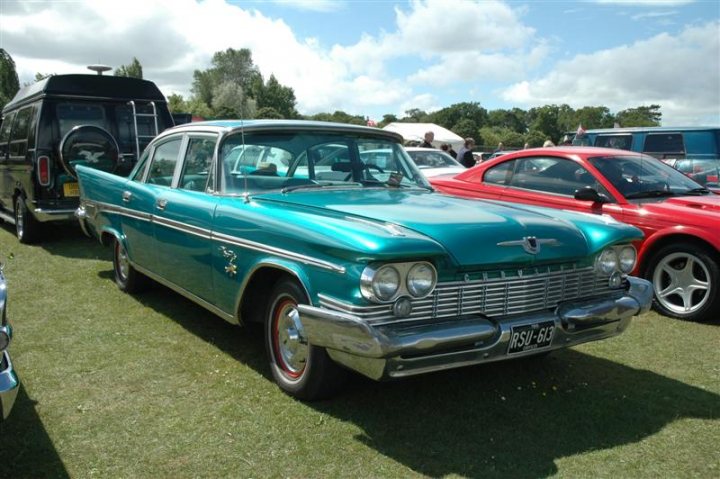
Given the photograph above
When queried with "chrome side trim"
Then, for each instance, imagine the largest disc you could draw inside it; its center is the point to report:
(183, 292)
(208, 234)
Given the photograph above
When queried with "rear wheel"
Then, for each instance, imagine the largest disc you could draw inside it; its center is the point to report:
(686, 281)
(299, 368)
(27, 228)
(127, 278)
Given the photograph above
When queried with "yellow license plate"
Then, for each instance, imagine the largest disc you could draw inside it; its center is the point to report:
(71, 189)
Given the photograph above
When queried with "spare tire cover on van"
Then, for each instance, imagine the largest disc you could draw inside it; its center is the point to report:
(90, 146)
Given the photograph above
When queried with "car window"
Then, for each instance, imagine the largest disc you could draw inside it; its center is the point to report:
(432, 159)
(498, 175)
(139, 170)
(19, 135)
(164, 161)
(619, 142)
(553, 175)
(196, 165)
(5, 133)
(257, 162)
(72, 114)
(664, 145)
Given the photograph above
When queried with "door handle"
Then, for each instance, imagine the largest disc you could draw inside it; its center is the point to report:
(161, 204)
(126, 196)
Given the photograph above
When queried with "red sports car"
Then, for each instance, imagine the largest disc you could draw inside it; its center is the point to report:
(680, 218)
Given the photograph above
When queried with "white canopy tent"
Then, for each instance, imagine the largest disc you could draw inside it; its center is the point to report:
(416, 132)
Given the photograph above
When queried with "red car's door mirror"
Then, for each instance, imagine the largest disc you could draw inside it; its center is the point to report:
(590, 194)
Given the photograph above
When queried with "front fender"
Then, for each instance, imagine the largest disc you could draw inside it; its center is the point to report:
(678, 230)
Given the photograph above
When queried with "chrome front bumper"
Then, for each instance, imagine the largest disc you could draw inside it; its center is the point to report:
(404, 350)
(8, 379)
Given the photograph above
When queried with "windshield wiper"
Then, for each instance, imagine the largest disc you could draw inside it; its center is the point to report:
(288, 189)
(696, 191)
(649, 194)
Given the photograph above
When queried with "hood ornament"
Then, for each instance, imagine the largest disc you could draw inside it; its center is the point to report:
(531, 244)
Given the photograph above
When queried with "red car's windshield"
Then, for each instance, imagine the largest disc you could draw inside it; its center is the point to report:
(643, 177)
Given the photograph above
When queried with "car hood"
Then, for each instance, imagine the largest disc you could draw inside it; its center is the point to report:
(474, 233)
(690, 209)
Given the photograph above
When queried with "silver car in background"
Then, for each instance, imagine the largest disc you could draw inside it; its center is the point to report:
(8, 379)
(432, 162)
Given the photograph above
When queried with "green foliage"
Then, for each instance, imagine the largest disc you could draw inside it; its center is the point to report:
(454, 114)
(133, 70)
(268, 112)
(276, 97)
(387, 119)
(230, 101)
(415, 115)
(176, 103)
(339, 117)
(9, 82)
(545, 120)
(514, 119)
(640, 116)
(465, 128)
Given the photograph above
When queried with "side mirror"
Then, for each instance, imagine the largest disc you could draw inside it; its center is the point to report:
(590, 194)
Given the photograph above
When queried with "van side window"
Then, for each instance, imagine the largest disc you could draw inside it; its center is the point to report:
(5, 134)
(19, 135)
(665, 145)
(619, 142)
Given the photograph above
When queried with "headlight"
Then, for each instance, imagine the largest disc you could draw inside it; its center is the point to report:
(607, 261)
(626, 258)
(386, 283)
(421, 279)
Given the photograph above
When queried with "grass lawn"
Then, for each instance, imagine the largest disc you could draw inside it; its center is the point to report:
(154, 386)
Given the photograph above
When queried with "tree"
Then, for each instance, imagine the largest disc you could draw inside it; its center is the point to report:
(640, 116)
(133, 70)
(545, 120)
(387, 119)
(415, 115)
(268, 112)
(465, 128)
(511, 119)
(592, 117)
(275, 96)
(9, 82)
(230, 66)
(450, 116)
(230, 101)
(177, 104)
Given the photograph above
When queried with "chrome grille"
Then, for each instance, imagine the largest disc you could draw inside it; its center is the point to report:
(498, 293)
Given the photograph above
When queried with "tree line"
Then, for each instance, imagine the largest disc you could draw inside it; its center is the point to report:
(233, 87)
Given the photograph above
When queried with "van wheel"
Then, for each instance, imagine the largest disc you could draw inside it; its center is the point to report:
(299, 368)
(686, 280)
(27, 228)
(127, 278)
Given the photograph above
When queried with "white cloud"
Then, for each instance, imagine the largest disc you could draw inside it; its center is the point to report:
(313, 5)
(680, 73)
(646, 3)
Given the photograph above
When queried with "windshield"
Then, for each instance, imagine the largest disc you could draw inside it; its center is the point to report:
(432, 159)
(289, 161)
(642, 176)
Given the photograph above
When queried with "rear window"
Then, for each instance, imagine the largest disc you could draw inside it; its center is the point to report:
(664, 145)
(619, 142)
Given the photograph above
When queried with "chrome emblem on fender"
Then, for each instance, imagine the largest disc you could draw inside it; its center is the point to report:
(531, 244)
(230, 256)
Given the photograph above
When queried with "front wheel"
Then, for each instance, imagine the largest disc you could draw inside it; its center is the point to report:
(27, 228)
(127, 278)
(299, 368)
(686, 281)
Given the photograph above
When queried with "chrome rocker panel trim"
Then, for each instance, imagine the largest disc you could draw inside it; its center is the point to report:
(9, 383)
(395, 350)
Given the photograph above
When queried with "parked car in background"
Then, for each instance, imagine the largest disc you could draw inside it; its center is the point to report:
(434, 162)
(680, 218)
(705, 171)
(8, 379)
(65, 120)
(349, 262)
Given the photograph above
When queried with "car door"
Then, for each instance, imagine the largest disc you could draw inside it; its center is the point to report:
(139, 198)
(552, 182)
(182, 216)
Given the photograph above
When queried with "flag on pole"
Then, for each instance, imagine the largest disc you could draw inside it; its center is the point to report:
(580, 131)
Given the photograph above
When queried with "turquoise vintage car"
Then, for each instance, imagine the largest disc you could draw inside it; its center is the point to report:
(9, 383)
(350, 264)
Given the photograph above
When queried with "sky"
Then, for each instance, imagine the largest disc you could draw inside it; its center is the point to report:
(376, 57)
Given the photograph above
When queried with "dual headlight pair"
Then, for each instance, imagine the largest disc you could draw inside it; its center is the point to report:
(616, 261)
(390, 281)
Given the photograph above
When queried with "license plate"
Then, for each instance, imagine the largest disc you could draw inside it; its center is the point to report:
(531, 336)
(71, 189)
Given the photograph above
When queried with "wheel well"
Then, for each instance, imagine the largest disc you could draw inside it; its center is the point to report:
(106, 239)
(674, 239)
(257, 293)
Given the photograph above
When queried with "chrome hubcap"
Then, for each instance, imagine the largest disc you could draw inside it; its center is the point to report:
(122, 262)
(291, 346)
(682, 283)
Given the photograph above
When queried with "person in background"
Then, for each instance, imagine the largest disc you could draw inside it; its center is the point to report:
(447, 148)
(464, 155)
(429, 137)
(548, 144)
(500, 147)
(527, 145)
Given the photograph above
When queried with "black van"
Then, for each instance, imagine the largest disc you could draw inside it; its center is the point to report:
(64, 120)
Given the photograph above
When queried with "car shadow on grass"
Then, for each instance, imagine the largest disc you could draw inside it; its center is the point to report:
(65, 240)
(25, 447)
(516, 418)
(507, 419)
